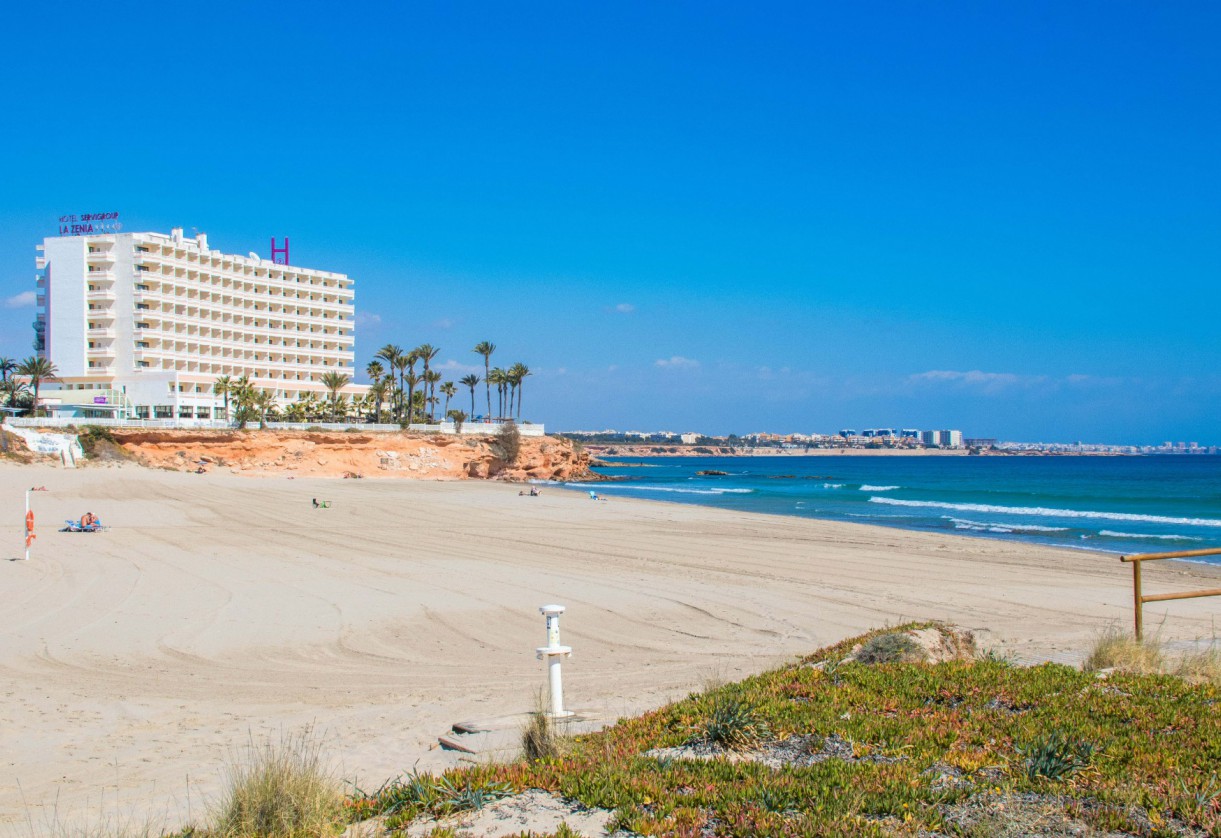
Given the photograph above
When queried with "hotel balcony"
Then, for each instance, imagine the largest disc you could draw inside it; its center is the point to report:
(100, 294)
(100, 352)
(100, 257)
(100, 333)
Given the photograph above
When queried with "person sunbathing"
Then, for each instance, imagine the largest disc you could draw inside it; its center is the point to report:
(89, 522)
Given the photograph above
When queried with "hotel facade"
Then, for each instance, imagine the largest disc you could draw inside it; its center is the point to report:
(141, 325)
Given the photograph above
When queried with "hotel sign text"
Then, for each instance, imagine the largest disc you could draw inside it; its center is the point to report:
(89, 224)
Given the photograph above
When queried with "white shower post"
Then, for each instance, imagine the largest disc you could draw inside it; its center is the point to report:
(553, 653)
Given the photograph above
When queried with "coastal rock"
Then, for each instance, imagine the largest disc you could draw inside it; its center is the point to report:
(351, 454)
(711, 472)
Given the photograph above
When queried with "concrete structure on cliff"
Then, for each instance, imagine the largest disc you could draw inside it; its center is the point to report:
(141, 325)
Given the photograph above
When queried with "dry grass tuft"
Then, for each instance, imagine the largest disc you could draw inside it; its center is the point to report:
(1115, 649)
(280, 790)
(539, 739)
(1201, 667)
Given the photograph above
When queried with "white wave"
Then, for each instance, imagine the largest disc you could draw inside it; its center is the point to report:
(990, 526)
(680, 491)
(1114, 534)
(1051, 513)
(865, 487)
(833, 485)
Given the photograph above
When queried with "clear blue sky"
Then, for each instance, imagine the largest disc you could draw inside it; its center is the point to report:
(999, 217)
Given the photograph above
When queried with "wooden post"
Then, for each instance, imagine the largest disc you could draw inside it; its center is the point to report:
(1139, 601)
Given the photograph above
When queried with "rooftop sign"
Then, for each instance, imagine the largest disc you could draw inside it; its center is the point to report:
(89, 224)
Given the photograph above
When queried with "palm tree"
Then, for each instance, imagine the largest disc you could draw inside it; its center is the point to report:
(426, 352)
(263, 402)
(497, 377)
(7, 366)
(470, 381)
(517, 374)
(486, 348)
(375, 370)
(401, 365)
(243, 396)
(222, 387)
(13, 389)
(309, 406)
(377, 390)
(295, 412)
(447, 389)
(37, 370)
(391, 355)
(431, 377)
(459, 416)
(412, 381)
(334, 382)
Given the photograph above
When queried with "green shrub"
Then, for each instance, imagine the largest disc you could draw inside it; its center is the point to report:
(896, 647)
(508, 443)
(732, 724)
(1055, 756)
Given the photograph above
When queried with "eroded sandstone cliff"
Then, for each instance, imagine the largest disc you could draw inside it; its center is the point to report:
(353, 453)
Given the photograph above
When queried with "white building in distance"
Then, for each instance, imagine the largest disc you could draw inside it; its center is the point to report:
(141, 325)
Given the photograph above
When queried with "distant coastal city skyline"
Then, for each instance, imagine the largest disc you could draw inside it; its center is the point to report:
(783, 217)
(961, 441)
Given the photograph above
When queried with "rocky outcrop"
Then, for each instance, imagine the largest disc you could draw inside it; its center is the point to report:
(355, 454)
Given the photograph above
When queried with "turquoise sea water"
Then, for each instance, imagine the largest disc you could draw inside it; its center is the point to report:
(1117, 505)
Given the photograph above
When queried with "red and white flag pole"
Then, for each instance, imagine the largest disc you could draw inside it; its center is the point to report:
(29, 525)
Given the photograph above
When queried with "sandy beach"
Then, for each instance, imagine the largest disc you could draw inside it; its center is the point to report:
(219, 607)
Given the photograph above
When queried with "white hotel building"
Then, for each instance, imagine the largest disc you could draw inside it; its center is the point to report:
(140, 325)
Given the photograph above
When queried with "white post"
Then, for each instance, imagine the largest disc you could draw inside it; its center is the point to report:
(553, 653)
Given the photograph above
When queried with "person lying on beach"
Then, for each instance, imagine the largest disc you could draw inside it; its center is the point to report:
(89, 521)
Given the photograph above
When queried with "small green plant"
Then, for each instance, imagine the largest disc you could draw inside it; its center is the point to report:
(732, 724)
(1206, 798)
(896, 647)
(315, 429)
(1056, 757)
(414, 794)
(468, 796)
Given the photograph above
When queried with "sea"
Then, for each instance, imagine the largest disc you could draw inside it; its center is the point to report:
(1119, 505)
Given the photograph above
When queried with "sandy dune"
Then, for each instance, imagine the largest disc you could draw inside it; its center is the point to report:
(218, 607)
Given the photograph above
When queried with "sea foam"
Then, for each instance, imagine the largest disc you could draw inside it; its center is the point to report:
(1113, 534)
(865, 487)
(1051, 512)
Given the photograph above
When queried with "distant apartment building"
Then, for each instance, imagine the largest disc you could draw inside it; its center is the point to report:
(141, 325)
(942, 439)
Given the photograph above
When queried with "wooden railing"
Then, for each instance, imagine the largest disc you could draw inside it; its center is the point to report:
(1140, 599)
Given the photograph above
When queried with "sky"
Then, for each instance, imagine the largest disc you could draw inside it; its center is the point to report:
(684, 216)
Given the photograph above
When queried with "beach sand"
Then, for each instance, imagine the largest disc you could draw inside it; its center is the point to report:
(218, 608)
